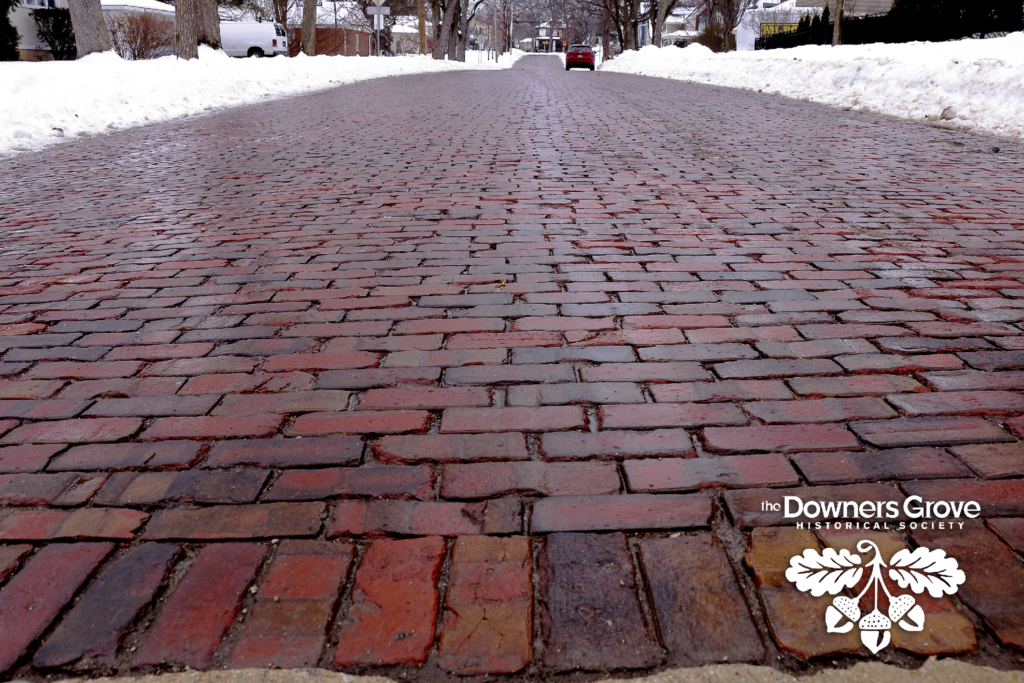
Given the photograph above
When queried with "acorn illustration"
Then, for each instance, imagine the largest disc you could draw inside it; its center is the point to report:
(899, 606)
(874, 630)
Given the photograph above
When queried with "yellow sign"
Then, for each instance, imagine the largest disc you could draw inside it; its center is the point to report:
(772, 29)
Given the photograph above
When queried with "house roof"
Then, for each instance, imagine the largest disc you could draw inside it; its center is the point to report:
(138, 6)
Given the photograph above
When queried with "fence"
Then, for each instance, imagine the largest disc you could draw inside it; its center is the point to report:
(335, 41)
(869, 28)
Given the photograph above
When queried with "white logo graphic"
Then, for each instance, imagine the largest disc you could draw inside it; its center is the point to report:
(832, 572)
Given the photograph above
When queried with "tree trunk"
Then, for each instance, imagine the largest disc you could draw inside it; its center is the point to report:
(309, 27)
(208, 24)
(421, 8)
(186, 42)
(460, 50)
(659, 16)
(453, 33)
(837, 35)
(606, 36)
(91, 33)
(441, 42)
(281, 13)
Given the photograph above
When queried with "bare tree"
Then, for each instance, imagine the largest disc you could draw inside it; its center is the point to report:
(309, 27)
(837, 34)
(90, 28)
(660, 11)
(723, 17)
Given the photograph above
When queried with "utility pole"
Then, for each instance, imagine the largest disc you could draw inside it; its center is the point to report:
(837, 34)
(421, 6)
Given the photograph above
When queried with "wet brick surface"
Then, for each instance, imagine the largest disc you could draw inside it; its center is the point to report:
(492, 373)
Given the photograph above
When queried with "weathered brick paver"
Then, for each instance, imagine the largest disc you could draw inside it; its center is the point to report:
(505, 388)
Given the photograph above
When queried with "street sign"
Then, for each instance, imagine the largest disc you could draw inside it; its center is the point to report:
(378, 22)
(378, 10)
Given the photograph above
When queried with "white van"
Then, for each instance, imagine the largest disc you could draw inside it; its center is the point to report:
(253, 38)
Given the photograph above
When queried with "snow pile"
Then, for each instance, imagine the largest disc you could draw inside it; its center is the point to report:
(43, 103)
(974, 85)
(486, 57)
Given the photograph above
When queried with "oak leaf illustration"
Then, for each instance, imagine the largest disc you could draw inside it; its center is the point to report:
(830, 572)
(926, 570)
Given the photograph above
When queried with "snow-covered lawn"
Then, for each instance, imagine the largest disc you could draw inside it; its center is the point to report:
(975, 85)
(43, 103)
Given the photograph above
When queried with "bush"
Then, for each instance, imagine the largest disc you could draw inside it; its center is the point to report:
(8, 34)
(53, 26)
(715, 36)
(141, 35)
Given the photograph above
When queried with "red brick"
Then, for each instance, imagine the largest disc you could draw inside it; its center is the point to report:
(11, 557)
(192, 486)
(28, 458)
(256, 426)
(159, 351)
(487, 622)
(497, 374)
(283, 403)
(27, 388)
(669, 415)
(929, 431)
(450, 326)
(392, 481)
(562, 323)
(701, 611)
(644, 372)
(267, 520)
(285, 453)
(617, 444)
(959, 403)
(794, 618)
(46, 409)
(446, 358)
(682, 322)
(394, 604)
(866, 385)
(423, 398)
(267, 347)
(190, 367)
(727, 390)
(124, 388)
(653, 337)
(993, 461)
(852, 331)
(416, 518)
(743, 369)
(1011, 530)
(785, 438)
(622, 512)
(289, 621)
(896, 463)
(485, 480)
(995, 577)
(124, 455)
(688, 474)
(320, 361)
(149, 406)
(503, 340)
(71, 370)
(89, 634)
(549, 419)
(242, 383)
(75, 431)
(451, 448)
(590, 616)
(35, 596)
(197, 614)
(360, 422)
(42, 524)
(820, 410)
(947, 329)
(997, 498)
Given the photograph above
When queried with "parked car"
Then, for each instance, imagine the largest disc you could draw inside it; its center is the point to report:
(581, 56)
(253, 38)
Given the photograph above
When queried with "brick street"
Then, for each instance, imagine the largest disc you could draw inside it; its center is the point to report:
(493, 372)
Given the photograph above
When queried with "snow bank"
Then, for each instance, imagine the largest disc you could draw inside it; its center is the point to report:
(974, 85)
(43, 103)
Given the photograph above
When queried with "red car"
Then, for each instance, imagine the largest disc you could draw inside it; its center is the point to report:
(581, 56)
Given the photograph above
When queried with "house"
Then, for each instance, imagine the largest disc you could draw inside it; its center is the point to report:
(767, 17)
(548, 38)
(34, 49)
(683, 25)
